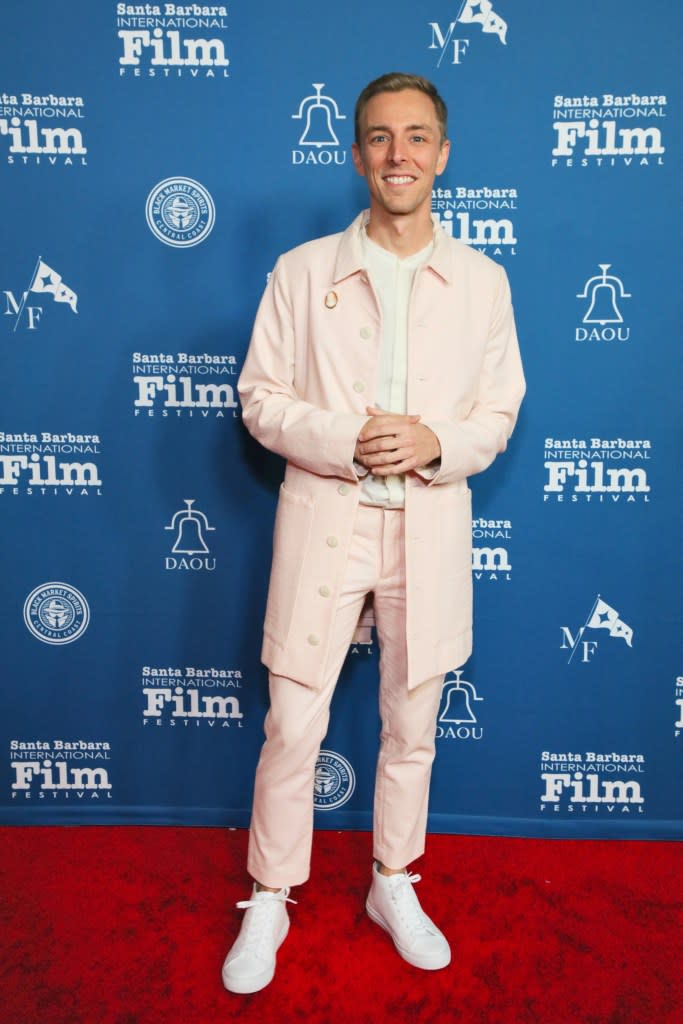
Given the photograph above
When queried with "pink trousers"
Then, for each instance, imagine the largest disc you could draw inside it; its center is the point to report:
(282, 818)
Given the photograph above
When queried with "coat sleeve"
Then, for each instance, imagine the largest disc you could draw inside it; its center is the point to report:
(315, 439)
(470, 445)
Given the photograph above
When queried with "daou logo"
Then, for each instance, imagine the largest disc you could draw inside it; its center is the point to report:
(457, 719)
(319, 113)
(603, 319)
(189, 551)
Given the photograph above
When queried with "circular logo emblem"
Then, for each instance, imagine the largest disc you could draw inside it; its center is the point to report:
(333, 782)
(180, 212)
(56, 613)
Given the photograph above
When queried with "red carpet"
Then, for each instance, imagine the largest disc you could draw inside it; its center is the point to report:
(130, 925)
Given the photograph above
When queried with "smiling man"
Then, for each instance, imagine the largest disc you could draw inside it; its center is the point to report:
(384, 368)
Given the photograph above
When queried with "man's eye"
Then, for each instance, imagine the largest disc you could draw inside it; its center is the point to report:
(418, 138)
(378, 138)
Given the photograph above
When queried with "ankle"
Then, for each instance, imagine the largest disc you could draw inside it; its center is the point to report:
(387, 872)
(265, 888)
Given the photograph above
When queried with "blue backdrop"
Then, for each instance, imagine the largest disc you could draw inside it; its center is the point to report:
(155, 160)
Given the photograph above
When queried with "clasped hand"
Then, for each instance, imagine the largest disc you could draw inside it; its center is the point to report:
(390, 443)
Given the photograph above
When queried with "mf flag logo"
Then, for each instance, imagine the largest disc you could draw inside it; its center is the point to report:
(601, 616)
(472, 12)
(44, 280)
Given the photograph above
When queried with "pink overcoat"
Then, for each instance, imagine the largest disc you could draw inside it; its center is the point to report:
(308, 376)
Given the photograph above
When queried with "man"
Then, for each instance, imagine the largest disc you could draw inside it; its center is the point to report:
(384, 368)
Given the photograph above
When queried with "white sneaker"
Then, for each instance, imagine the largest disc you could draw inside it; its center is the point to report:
(250, 964)
(394, 906)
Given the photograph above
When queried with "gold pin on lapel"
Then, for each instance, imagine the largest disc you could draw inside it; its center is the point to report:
(331, 300)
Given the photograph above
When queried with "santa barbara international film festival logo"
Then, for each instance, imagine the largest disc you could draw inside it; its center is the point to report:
(451, 47)
(190, 552)
(490, 552)
(185, 384)
(56, 613)
(678, 704)
(40, 129)
(480, 217)
(602, 319)
(608, 130)
(317, 117)
(161, 40)
(30, 464)
(457, 718)
(596, 469)
(191, 697)
(601, 616)
(60, 769)
(593, 783)
(46, 282)
(180, 212)
(334, 781)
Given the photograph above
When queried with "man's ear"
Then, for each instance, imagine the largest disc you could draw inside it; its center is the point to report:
(357, 159)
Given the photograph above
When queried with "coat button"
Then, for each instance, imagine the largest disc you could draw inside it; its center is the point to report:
(343, 489)
(314, 640)
(332, 542)
(358, 385)
(366, 332)
(324, 591)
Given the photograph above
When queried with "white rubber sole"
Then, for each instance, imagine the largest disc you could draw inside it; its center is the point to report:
(254, 982)
(429, 962)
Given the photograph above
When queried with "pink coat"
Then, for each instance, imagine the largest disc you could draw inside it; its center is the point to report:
(308, 376)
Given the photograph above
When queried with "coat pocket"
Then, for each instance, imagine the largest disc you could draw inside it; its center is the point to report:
(291, 534)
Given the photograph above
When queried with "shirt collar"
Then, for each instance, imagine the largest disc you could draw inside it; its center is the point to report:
(350, 256)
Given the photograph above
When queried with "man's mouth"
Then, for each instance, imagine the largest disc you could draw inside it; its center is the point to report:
(399, 179)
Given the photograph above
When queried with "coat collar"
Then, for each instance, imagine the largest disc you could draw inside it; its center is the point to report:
(350, 252)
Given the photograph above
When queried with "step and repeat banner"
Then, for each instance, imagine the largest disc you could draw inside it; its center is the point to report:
(156, 159)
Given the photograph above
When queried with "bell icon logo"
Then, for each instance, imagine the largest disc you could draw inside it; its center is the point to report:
(457, 720)
(318, 112)
(189, 524)
(603, 292)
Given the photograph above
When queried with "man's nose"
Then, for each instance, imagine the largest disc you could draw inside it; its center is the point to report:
(396, 154)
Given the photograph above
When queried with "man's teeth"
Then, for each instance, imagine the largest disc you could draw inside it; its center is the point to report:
(399, 180)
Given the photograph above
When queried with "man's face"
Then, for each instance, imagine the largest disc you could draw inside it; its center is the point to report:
(400, 151)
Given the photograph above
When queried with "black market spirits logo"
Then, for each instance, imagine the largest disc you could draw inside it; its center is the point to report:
(188, 698)
(596, 469)
(180, 212)
(167, 385)
(603, 319)
(491, 559)
(56, 769)
(608, 130)
(43, 464)
(162, 40)
(29, 124)
(601, 616)
(318, 140)
(481, 217)
(334, 781)
(452, 47)
(591, 783)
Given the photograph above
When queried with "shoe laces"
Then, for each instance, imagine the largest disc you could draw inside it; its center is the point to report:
(407, 904)
(261, 917)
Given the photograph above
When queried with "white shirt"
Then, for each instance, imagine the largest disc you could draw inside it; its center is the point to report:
(392, 279)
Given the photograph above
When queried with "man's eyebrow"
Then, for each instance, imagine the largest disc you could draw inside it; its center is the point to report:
(409, 128)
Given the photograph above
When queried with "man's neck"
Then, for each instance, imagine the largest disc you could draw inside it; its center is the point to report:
(403, 235)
